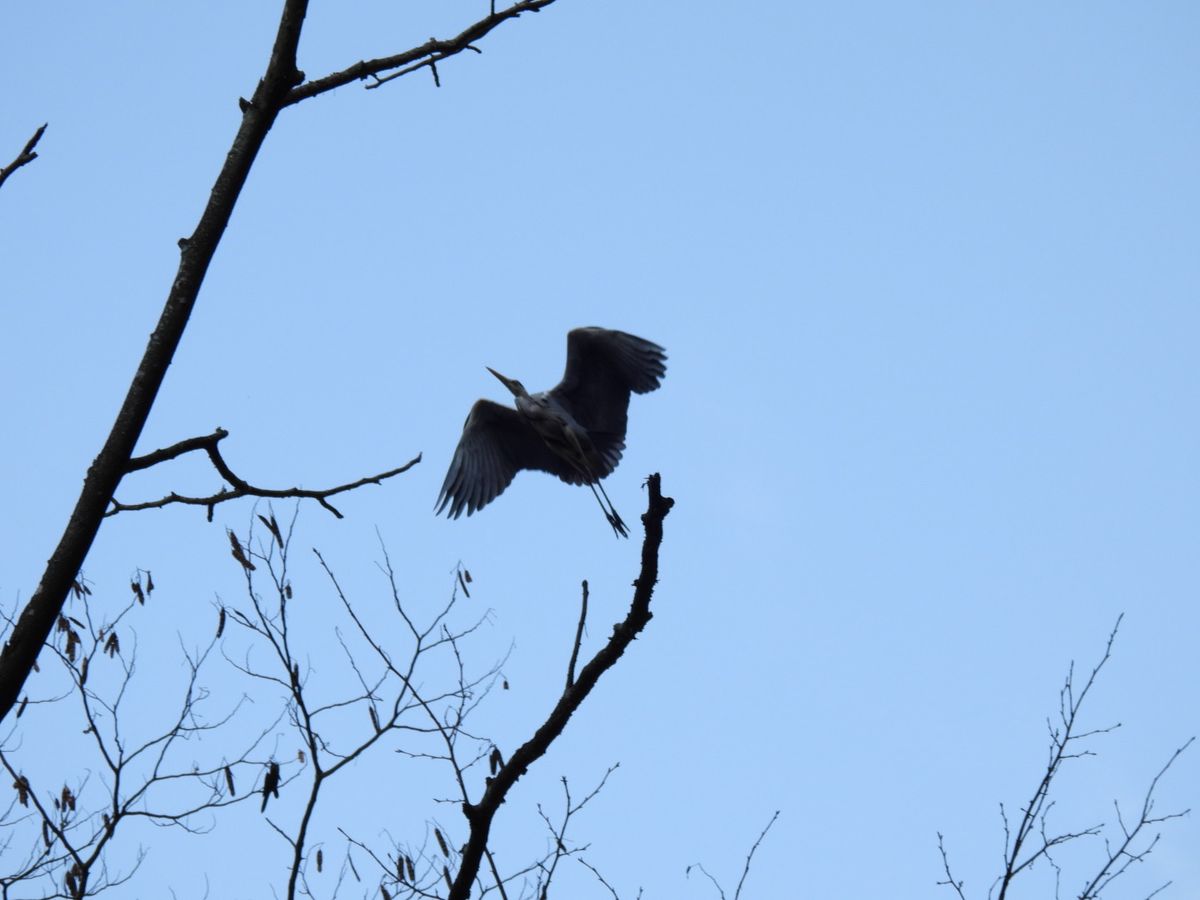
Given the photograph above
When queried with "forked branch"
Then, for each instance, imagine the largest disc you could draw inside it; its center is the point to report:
(282, 84)
(25, 157)
(479, 815)
(1030, 840)
(745, 868)
(238, 487)
(428, 55)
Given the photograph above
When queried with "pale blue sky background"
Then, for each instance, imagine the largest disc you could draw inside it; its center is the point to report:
(928, 279)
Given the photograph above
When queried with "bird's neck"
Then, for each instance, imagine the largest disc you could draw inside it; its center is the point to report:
(529, 405)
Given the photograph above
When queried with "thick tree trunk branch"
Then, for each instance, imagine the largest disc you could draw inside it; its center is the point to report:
(25, 157)
(282, 85)
(41, 612)
(480, 814)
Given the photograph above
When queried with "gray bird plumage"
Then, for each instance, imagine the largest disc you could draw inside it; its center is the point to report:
(575, 431)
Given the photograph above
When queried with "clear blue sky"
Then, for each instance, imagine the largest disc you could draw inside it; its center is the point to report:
(929, 283)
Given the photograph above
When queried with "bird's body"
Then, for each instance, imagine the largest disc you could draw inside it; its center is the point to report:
(576, 430)
(559, 430)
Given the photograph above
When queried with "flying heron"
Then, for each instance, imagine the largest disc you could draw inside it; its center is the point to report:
(575, 430)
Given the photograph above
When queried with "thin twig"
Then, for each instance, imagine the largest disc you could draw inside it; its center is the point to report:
(750, 856)
(600, 878)
(950, 881)
(578, 636)
(745, 869)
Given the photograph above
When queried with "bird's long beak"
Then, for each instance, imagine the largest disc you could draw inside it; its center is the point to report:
(507, 382)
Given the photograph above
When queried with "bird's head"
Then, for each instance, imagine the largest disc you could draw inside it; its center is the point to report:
(518, 389)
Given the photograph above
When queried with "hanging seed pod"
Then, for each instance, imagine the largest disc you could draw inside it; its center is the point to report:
(270, 786)
(238, 553)
(22, 786)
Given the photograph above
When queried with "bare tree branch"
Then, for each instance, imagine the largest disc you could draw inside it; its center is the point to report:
(150, 778)
(33, 626)
(239, 487)
(1125, 854)
(578, 636)
(25, 157)
(1033, 841)
(391, 695)
(956, 886)
(1063, 743)
(282, 85)
(602, 880)
(560, 850)
(745, 868)
(428, 55)
(750, 855)
(479, 815)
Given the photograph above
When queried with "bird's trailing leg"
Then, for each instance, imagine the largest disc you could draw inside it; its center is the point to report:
(613, 517)
(579, 459)
(610, 513)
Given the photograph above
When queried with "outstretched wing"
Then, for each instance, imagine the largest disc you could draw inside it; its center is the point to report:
(496, 443)
(603, 368)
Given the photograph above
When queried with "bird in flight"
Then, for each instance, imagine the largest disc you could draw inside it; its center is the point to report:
(575, 430)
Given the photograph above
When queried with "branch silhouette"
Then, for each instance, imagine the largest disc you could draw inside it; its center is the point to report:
(428, 55)
(281, 85)
(238, 486)
(479, 815)
(1033, 841)
(25, 157)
